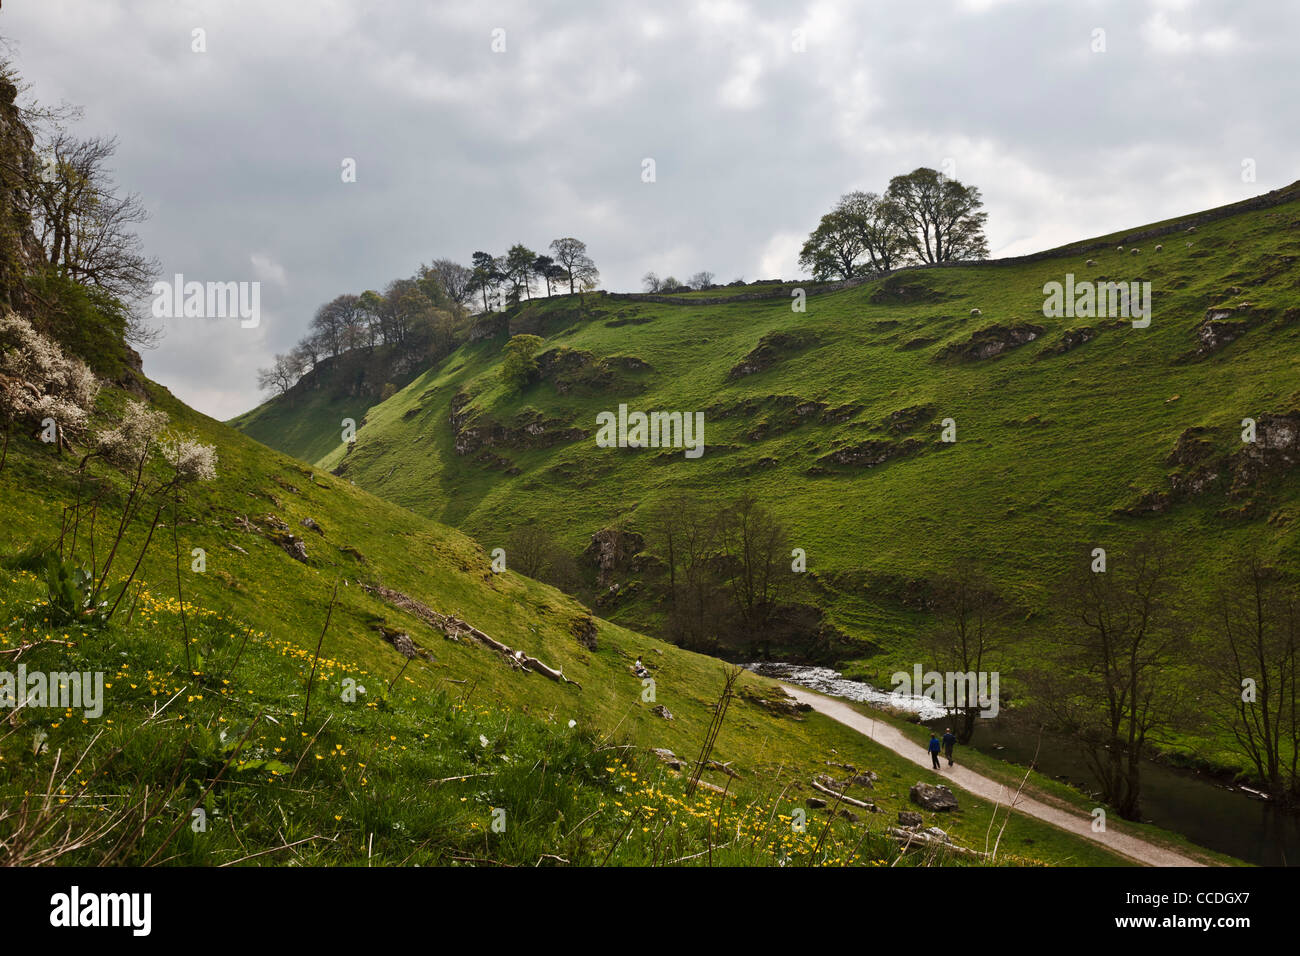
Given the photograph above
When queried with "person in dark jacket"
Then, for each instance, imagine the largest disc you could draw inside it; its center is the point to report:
(949, 738)
(934, 750)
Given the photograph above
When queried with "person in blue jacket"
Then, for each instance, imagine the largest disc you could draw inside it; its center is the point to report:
(934, 750)
(949, 738)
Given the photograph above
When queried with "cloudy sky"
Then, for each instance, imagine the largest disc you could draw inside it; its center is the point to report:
(758, 115)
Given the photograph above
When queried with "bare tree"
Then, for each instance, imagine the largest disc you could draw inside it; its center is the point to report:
(650, 282)
(1118, 648)
(701, 280)
(85, 227)
(756, 568)
(282, 375)
(1253, 659)
(970, 618)
(456, 279)
(685, 532)
(572, 255)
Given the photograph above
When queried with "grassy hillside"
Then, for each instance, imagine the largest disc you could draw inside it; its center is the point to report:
(1078, 432)
(1051, 451)
(335, 390)
(412, 769)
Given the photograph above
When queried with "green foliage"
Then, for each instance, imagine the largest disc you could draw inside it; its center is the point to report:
(70, 591)
(86, 321)
(519, 368)
(352, 791)
(33, 558)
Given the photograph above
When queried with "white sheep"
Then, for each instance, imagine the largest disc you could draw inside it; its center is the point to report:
(976, 312)
(1135, 251)
(1119, 249)
(1160, 248)
(1092, 262)
(1191, 228)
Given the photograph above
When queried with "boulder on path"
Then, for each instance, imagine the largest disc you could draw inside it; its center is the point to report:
(927, 796)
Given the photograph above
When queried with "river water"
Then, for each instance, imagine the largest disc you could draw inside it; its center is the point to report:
(1205, 810)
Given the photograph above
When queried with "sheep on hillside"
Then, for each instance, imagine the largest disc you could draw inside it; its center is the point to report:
(1092, 262)
(1160, 248)
(1135, 251)
(976, 312)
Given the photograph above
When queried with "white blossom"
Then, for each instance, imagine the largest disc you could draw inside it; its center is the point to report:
(131, 440)
(37, 381)
(193, 460)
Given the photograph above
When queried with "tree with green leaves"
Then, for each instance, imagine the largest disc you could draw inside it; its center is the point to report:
(943, 219)
(542, 266)
(571, 254)
(555, 275)
(485, 274)
(833, 248)
(879, 228)
(519, 367)
(519, 268)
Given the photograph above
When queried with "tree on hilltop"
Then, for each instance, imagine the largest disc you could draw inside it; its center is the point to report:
(943, 218)
(519, 268)
(572, 255)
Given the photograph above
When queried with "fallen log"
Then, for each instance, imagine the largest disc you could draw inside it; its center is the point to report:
(921, 839)
(544, 670)
(715, 788)
(861, 804)
(454, 627)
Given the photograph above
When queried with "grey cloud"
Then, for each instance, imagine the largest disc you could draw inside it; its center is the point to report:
(237, 151)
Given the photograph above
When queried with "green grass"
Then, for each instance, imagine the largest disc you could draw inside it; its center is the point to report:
(228, 733)
(1050, 448)
(293, 425)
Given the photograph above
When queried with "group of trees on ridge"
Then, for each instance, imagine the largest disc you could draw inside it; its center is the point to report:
(924, 217)
(419, 318)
